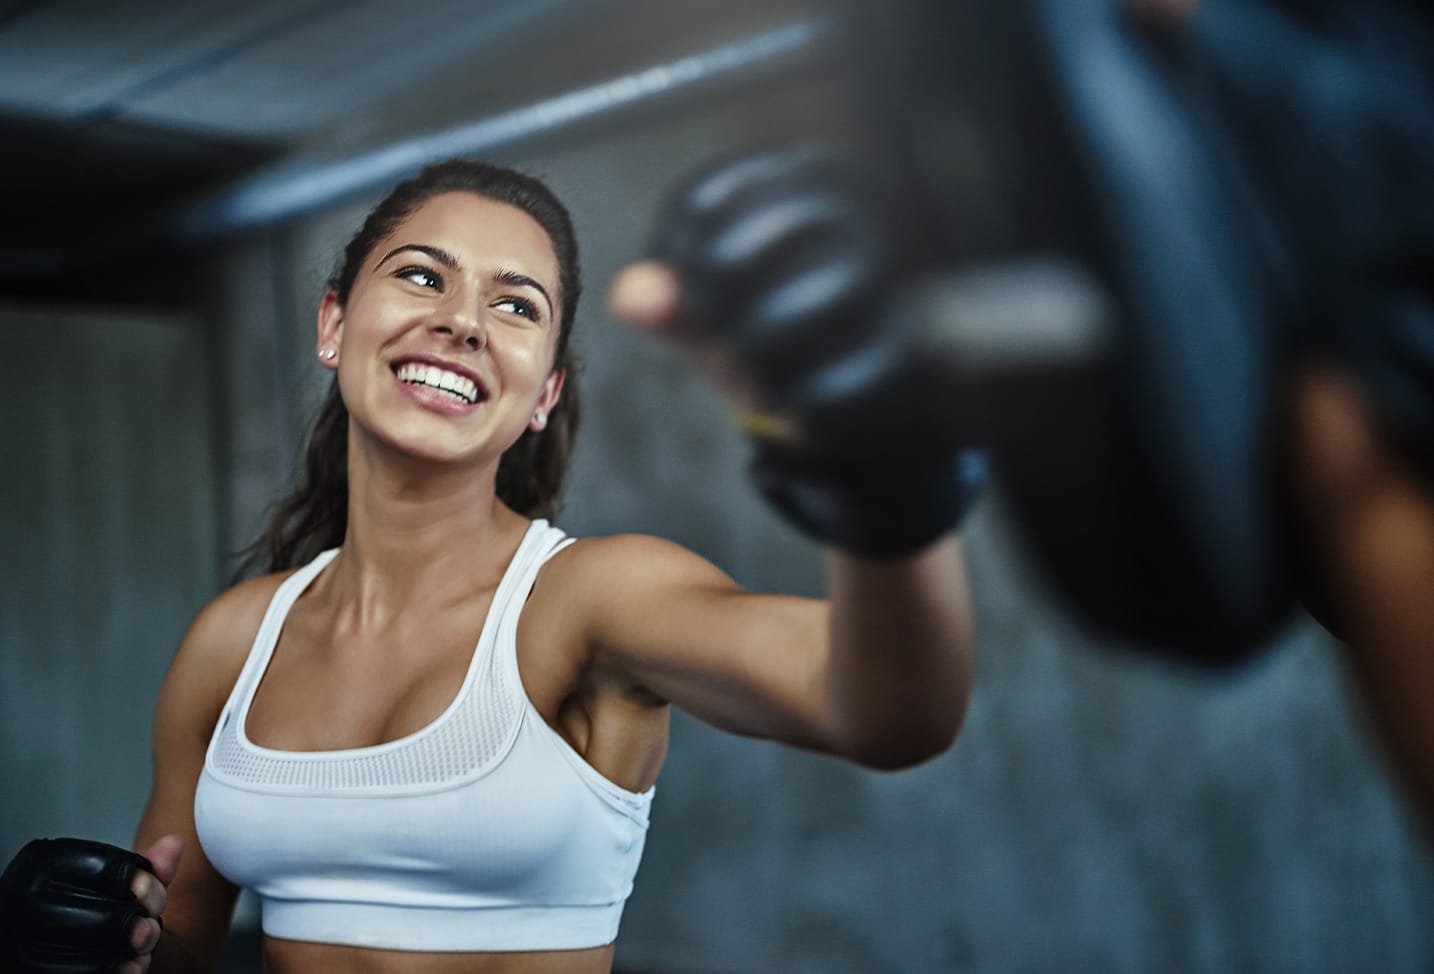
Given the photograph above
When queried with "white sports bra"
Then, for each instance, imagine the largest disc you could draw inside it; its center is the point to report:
(484, 831)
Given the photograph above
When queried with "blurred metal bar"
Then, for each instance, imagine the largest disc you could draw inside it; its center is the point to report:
(303, 184)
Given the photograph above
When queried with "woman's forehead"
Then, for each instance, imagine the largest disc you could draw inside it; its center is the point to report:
(478, 230)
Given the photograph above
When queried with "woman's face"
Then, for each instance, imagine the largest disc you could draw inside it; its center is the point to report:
(445, 347)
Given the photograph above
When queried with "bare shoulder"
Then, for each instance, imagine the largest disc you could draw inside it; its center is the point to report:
(623, 592)
(598, 585)
(608, 565)
(214, 649)
(228, 622)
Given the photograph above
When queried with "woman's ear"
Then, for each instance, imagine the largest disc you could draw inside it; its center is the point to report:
(330, 328)
(552, 391)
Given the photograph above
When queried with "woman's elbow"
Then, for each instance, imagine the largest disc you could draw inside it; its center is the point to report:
(908, 743)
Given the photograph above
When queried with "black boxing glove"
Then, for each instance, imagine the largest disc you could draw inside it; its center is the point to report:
(66, 907)
(792, 271)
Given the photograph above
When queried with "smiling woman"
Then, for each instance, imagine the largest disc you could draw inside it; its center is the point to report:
(531, 475)
(427, 735)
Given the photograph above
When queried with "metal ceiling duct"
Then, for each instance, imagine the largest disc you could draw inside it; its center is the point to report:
(308, 182)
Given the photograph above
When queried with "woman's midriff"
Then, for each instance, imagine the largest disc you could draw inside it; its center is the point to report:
(294, 957)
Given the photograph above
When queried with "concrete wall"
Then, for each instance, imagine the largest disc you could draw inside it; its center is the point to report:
(110, 545)
(1101, 813)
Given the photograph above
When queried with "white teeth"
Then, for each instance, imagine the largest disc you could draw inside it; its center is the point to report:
(458, 386)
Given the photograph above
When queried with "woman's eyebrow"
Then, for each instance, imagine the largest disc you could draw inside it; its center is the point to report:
(523, 280)
(437, 253)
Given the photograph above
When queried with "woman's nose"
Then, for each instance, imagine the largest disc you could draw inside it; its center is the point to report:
(462, 325)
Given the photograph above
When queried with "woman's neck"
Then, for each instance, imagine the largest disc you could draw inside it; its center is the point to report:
(420, 534)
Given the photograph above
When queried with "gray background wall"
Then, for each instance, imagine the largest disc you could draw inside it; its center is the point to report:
(1100, 812)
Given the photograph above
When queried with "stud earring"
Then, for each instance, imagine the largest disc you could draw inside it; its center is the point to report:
(328, 354)
(541, 418)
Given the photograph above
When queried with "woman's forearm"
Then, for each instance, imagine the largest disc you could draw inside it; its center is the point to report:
(902, 652)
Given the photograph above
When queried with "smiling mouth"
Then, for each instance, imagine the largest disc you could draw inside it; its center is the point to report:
(459, 387)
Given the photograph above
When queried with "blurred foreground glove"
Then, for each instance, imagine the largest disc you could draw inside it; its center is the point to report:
(793, 282)
(66, 907)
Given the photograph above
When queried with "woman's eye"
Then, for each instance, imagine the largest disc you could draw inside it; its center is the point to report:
(519, 306)
(421, 276)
